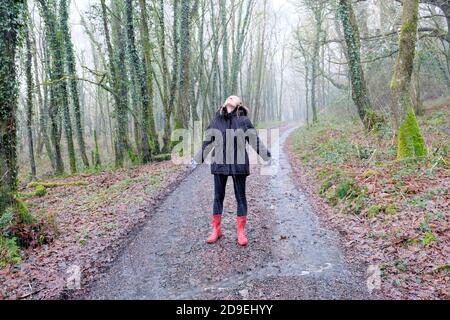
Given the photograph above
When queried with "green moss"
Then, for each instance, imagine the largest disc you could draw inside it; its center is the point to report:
(96, 155)
(9, 252)
(373, 120)
(393, 84)
(24, 215)
(428, 238)
(409, 26)
(163, 157)
(25, 195)
(40, 191)
(374, 210)
(56, 184)
(391, 209)
(411, 242)
(133, 157)
(410, 140)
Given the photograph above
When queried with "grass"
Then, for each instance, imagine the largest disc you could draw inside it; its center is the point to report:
(352, 166)
(394, 212)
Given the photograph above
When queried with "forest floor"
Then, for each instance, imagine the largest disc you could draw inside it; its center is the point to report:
(391, 214)
(91, 216)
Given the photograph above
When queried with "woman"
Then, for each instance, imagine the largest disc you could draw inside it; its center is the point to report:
(228, 133)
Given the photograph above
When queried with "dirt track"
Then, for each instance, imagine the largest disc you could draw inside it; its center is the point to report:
(289, 256)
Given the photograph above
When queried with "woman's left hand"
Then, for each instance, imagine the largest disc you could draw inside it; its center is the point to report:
(194, 163)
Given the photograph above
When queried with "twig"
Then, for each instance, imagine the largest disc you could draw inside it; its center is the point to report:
(31, 293)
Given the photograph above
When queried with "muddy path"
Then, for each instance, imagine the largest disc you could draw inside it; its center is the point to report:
(289, 256)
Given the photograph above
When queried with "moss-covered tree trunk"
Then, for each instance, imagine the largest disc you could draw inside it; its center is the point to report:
(169, 106)
(118, 152)
(119, 43)
(29, 99)
(54, 109)
(318, 17)
(11, 22)
(167, 101)
(96, 161)
(147, 47)
(59, 95)
(259, 62)
(225, 49)
(193, 16)
(410, 139)
(183, 113)
(118, 80)
(71, 66)
(359, 89)
(140, 72)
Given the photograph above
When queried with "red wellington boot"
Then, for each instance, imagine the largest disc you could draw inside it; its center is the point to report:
(241, 222)
(217, 231)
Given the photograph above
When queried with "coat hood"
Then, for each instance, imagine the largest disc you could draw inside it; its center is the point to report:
(240, 110)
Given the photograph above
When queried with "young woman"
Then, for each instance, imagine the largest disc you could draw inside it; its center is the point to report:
(228, 133)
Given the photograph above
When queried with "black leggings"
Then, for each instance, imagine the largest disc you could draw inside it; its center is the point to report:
(220, 183)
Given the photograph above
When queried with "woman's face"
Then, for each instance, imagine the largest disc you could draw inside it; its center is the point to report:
(232, 101)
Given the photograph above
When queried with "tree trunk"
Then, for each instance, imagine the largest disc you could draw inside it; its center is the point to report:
(237, 51)
(315, 61)
(225, 49)
(359, 89)
(175, 75)
(182, 116)
(116, 62)
(29, 99)
(140, 72)
(10, 25)
(165, 70)
(55, 71)
(147, 49)
(410, 139)
(71, 66)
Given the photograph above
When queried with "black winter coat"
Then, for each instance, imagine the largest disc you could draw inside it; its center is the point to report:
(238, 119)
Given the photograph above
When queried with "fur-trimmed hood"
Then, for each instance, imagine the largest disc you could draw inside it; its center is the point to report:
(240, 110)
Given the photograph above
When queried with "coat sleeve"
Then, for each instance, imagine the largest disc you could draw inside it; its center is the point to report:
(253, 139)
(207, 145)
